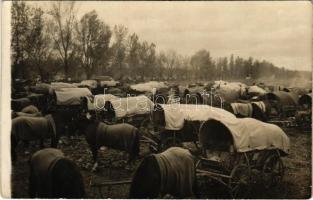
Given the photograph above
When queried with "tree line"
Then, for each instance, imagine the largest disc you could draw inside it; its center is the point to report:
(54, 42)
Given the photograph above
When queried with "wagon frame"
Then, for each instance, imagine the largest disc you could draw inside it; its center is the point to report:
(165, 137)
(236, 161)
(239, 179)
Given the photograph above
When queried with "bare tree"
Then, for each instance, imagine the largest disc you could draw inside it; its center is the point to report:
(61, 29)
(202, 63)
(20, 27)
(170, 62)
(147, 59)
(133, 56)
(119, 48)
(38, 41)
(93, 38)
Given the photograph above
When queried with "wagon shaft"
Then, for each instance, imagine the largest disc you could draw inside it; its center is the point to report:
(110, 183)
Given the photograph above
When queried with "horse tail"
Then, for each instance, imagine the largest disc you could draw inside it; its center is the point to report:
(32, 181)
(66, 180)
(14, 142)
(140, 188)
(136, 143)
(54, 131)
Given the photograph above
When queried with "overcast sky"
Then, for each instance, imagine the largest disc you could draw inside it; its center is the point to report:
(279, 32)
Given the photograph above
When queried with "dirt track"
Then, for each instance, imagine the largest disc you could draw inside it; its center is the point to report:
(296, 183)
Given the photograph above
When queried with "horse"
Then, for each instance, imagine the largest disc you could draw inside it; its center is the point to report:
(171, 172)
(31, 109)
(124, 137)
(30, 128)
(28, 111)
(54, 176)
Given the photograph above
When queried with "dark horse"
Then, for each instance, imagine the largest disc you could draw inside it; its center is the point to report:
(28, 128)
(124, 137)
(169, 173)
(54, 176)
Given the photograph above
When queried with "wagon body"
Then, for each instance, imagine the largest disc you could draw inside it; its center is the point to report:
(230, 91)
(134, 110)
(236, 152)
(66, 102)
(281, 104)
(255, 90)
(177, 123)
(304, 114)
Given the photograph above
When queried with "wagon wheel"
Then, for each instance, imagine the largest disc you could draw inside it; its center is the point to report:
(240, 181)
(273, 171)
(171, 142)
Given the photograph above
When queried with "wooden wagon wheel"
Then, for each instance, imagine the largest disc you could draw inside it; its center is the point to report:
(240, 181)
(273, 171)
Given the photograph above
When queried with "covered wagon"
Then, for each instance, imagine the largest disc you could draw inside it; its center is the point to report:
(255, 109)
(304, 114)
(177, 123)
(134, 110)
(280, 104)
(70, 96)
(234, 148)
(66, 102)
(230, 91)
(255, 90)
(157, 91)
(95, 104)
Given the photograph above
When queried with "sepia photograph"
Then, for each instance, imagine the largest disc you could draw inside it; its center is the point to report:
(156, 99)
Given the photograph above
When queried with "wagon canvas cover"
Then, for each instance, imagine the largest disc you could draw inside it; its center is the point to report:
(261, 105)
(89, 83)
(176, 114)
(244, 109)
(43, 88)
(149, 86)
(256, 90)
(125, 107)
(98, 101)
(284, 98)
(71, 96)
(251, 134)
(58, 85)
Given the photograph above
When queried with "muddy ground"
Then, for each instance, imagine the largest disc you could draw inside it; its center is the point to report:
(296, 183)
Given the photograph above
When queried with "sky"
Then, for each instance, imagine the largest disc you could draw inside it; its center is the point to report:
(277, 31)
